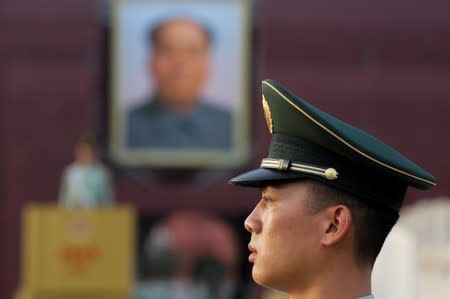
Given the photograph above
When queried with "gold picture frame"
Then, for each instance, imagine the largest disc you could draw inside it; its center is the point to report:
(227, 86)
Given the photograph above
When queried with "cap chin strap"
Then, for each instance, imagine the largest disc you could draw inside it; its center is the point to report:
(287, 165)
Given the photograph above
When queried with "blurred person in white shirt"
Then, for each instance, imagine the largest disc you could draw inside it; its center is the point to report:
(86, 183)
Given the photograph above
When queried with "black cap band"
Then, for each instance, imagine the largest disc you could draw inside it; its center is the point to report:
(353, 178)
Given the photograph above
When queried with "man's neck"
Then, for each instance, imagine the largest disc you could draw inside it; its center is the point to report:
(185, 107)
(338, 281)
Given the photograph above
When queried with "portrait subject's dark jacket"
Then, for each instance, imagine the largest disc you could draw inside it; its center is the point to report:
(151, 125)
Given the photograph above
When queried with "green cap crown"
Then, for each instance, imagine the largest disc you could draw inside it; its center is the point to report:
(308, 142)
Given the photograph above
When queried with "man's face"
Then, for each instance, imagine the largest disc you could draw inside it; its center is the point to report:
(180, 63)
(85, 154)
(285, 237)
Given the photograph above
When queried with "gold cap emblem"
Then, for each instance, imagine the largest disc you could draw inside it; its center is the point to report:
(267, 114)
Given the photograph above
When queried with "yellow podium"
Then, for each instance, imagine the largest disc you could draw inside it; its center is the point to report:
(77, 253)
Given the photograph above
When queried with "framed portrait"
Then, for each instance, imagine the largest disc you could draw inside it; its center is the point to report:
(180, 83)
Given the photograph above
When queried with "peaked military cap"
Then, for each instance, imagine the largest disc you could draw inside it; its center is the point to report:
(309, 143)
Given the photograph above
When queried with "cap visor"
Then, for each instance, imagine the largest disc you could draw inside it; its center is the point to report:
(262, 177)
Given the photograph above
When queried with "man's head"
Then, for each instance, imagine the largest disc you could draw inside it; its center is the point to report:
(300, 228)
(85, 151)
(180, 61)
(331, 194)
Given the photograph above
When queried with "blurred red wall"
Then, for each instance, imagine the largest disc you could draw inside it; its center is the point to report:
(382, 66)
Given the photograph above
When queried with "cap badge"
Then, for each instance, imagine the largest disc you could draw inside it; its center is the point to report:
(267, 114)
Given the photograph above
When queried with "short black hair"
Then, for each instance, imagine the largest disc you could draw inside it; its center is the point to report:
(88, 140)
(153, 32)
(372, 223)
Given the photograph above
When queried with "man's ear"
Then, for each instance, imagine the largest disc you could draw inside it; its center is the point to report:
(337, 223)
(151, 64)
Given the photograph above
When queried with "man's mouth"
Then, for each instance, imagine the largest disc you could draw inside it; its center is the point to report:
(253, 251)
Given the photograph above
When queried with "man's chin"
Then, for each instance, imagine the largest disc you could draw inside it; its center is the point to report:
(178, 102)
(260, 277)
(268, 279)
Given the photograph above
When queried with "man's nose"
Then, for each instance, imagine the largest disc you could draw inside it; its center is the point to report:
(253, 223)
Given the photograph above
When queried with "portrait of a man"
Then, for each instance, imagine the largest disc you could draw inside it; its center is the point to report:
(180, 77)
(175, 115)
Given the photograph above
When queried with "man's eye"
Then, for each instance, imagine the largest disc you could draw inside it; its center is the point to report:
(266, 199)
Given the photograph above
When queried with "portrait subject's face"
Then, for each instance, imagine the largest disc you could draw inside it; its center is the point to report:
(284, 237)
(180, 63)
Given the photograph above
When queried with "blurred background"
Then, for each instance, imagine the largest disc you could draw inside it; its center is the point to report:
(383, 66)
